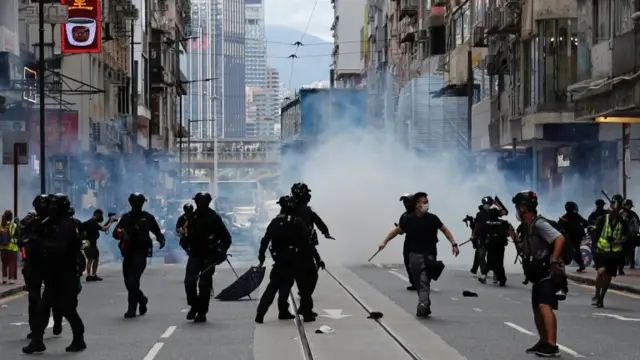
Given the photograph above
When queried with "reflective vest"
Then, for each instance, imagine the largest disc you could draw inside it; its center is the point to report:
(607, 232)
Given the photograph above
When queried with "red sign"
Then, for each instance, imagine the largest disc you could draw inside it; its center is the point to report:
(83, 31)
(61, 131)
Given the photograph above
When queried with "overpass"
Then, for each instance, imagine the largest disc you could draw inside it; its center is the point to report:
(238, 159)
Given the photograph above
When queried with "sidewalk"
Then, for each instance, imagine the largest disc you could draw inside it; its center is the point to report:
(7, 290)
(629, 282)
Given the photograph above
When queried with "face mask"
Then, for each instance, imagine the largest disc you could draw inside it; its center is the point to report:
(425, 208)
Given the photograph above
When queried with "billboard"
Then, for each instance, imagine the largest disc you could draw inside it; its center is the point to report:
(61, 131)
(83, 31)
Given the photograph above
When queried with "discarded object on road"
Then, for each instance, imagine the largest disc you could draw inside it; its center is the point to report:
(375, 315)
(324, 329)
(467, 293)
(244, 285)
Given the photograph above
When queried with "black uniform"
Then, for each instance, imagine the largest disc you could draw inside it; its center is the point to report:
(135, 246)
(59, 240)
(207, 243)
(480, 232)
(495, 242)
(597, 213)
(633, 221)
(312, 220)
(574, 226)
(289, 248)
(407, 202)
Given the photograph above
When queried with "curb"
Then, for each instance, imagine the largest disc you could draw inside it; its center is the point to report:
(614, 285)
(14, 290)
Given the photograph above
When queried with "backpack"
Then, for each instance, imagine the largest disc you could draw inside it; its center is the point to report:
(567, 252)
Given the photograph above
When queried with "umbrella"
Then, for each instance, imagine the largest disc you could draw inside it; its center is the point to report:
(244, 285)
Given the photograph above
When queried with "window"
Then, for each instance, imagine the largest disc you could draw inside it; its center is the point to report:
(602, 19)
(622, 10)
(530, 81)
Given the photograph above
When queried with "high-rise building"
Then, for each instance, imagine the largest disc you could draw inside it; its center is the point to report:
(201, 60)
(256, 46)
(274, 98)
(232, 36)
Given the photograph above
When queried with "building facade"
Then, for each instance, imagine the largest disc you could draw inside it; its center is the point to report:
(347, 58)
(233, 74)
(256, 45)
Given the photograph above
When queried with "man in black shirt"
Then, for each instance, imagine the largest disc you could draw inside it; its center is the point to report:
(421, 229)
(91, 228)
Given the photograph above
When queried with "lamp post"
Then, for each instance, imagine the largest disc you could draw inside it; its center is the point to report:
(42, 69)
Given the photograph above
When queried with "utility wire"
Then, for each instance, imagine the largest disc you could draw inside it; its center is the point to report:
(297, 45)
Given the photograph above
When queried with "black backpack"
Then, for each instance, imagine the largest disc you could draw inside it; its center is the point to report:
(567, 252)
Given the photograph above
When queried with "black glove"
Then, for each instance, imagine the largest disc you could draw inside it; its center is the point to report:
(327, 236)
(320, 264)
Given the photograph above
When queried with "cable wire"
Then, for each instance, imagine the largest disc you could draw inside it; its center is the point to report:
(306, 28)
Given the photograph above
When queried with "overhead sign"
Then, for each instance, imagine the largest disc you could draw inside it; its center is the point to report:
(15, 140)
(53, 14)
(83, 31)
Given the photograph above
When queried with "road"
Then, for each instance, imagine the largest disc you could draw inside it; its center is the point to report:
(495, 325)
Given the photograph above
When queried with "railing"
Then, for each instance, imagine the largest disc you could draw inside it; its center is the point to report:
(236, 157)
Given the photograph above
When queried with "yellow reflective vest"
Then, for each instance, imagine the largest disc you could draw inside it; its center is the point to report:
(607, 232)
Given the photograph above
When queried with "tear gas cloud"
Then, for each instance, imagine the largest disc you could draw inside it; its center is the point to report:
(357, 176)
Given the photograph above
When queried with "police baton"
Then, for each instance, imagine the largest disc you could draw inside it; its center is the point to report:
(605, 195)
(374, 255)
(216, 264)
(468, 241)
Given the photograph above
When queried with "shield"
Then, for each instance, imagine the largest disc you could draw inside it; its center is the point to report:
(244, 285)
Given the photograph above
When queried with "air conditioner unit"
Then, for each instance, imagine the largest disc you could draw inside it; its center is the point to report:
(443, 63)
(507, 17)
(479, 36)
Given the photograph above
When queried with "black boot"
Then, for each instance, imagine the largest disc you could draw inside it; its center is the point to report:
(286, 316)
(142, 307)
(77, 345)
(131, 312)
(192, 313)
(260, 319)
(34, 347)
(57, 328)
(200, 318)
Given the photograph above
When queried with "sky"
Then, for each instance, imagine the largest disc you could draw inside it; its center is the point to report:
(295, 14)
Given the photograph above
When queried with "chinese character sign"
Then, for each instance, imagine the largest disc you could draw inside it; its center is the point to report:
(83, 31)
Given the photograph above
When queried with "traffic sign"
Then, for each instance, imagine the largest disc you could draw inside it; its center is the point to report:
(18, 140)
(53, 14)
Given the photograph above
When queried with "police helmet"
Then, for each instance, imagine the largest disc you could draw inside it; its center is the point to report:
(137, 198)
(72, 211)
(300, 190)
(187, 208)
(616, 200)
(60, 202)
(487, 200)
(40, 201)
(286, 203)
(627, 204)
(527, 198)
(202, 198)
(571, 207)
(407, 201)
(600, 203)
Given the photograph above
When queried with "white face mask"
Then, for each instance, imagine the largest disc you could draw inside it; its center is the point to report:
(425, 207)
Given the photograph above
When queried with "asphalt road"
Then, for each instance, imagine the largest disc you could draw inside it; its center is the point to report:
(161, 334)
(499, 322)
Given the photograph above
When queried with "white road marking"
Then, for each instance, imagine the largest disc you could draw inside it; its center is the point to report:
(454, 298)
(154, 351)
(184, 310)
(169, 331)
(378, 265)
(477, 310)
(617, 317)
(398, 275)
(561, 347)
(335, 314)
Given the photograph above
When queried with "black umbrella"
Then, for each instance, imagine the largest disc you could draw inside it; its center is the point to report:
(244, 285)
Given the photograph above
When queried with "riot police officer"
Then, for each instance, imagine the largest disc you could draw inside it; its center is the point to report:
(574, 226)
(207, 240)
(135, 246)
(182, 221)
(633, 221)
(288, 237)
(597, 213)
(58, 237)
(302, 196)
(495, 242)
(478, 237)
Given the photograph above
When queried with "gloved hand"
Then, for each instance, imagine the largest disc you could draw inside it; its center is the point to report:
(327, 236)
(320, 264)
(162, 244)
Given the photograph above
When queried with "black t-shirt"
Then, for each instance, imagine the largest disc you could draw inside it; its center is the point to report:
(421, 232)
(92, 229)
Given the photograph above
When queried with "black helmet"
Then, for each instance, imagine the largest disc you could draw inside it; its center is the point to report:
(527, 198)
(407, 201)
(600, 203)
(202, 199)
(300, 190)
(187, 208)
(59, 203)
(40, 201)
(137, 198)
(627, 203)
(616, 200)
(286, 203)
(571, 206)
(72, 211)
(487, 200)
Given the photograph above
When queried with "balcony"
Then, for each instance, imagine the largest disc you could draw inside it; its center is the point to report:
(407, 30)
(509, 21)
(493, 18)
(408, 8)
(434, 17)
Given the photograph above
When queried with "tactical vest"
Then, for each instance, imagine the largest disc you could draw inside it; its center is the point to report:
(604, 246)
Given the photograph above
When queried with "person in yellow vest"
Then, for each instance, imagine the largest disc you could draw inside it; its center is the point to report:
(9, 248)
(611, 231)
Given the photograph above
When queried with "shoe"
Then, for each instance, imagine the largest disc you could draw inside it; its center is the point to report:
(502, 284)
(90, 278)
(260, 319)
(482, 279)
(308, 318)
(534, 348)
(547, 350)
(142, 306)
(412, 288)
(34, 347)
(77, 345)
(424, 311)
(130, 314)
(581, 269)
(286, 316)
(192, 313)
(57, 329)
(200, 318)
(561, 295)
(97, 278)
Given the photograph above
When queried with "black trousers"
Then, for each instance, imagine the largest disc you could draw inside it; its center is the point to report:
(495, 262)
(306, 278)
(198, 283)
(133, 266)
(407, 263)
(476, 261)
(577, 254)
(61, 291)
(281, 279)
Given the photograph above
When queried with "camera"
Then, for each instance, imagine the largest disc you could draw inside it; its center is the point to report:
(112, 216)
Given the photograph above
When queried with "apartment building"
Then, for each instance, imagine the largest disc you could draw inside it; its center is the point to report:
(347, 62)
(256, 45)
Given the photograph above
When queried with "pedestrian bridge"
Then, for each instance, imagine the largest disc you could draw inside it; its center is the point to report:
(234, 153)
